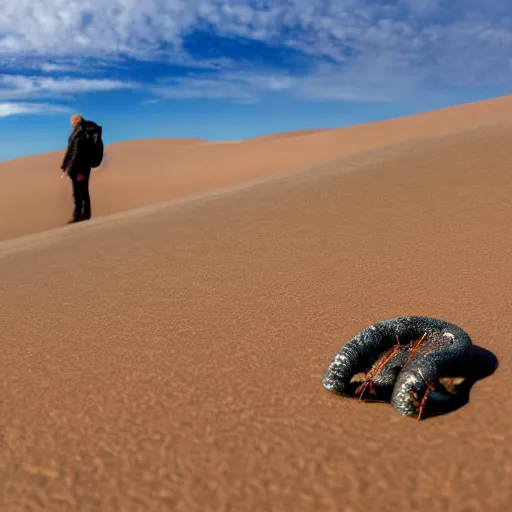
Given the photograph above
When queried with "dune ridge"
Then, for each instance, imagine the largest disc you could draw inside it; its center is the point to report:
(139, 173)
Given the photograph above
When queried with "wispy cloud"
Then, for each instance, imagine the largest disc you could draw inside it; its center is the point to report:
(23, 87)
(51, 67)
(12, 109)
(236, 86)
(326, 83)
(356, 49)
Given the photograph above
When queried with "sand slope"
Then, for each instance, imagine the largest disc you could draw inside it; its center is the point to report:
(172, 360)
(33, 198)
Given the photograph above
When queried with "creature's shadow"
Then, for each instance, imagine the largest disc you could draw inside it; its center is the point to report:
(482, 363)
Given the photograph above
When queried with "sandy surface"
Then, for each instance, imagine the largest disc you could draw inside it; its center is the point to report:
(33, 198)
(171, 358)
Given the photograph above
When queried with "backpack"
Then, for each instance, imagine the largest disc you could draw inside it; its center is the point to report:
(93, 133)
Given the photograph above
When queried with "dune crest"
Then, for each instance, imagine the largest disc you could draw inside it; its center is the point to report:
(142, 172)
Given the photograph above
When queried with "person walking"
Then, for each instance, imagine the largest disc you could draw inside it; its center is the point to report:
(81, 155)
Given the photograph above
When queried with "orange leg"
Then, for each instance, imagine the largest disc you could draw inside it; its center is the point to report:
(362, 388)
(415, 347)
(430, 388)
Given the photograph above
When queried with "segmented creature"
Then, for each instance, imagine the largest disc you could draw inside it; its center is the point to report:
(414, 357)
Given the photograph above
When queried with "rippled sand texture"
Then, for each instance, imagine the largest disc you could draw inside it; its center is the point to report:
(171, 359)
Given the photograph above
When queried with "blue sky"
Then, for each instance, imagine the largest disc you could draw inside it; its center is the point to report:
(231, 69)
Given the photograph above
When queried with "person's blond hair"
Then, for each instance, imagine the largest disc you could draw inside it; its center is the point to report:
(75, 119)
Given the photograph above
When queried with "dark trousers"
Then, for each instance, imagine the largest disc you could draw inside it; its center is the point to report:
(81, 198)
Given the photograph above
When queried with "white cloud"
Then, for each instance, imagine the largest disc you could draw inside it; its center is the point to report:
(364, 49)
(50, 67)
(21, 86)
(93, 27)
(236, 86)
(12, 109)
(324, 84)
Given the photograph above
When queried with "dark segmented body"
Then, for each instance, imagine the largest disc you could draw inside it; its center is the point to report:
(444, 348)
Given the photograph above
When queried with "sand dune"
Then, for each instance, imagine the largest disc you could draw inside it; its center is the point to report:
(33, 198)
(171, 358)
(288, 135)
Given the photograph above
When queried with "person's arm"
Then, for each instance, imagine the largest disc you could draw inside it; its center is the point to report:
(71, 154)
(67, 156)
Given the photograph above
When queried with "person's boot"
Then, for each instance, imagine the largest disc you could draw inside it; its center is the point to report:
(86, 215)
(77, 214)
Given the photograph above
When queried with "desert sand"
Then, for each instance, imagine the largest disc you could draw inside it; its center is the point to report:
(139, 173)
(170, 357)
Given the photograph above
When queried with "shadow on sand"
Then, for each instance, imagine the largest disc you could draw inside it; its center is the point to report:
(482, 364)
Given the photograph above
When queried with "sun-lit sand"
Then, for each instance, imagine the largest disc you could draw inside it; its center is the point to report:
(138, 173)
(170, 357)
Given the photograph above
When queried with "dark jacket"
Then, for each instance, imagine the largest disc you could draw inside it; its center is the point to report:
(77, 157)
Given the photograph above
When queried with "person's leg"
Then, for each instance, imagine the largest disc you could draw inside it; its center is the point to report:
(77, 199)
(86, 199)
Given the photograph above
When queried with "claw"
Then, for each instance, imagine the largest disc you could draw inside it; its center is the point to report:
(362, 388)
(373, 373)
